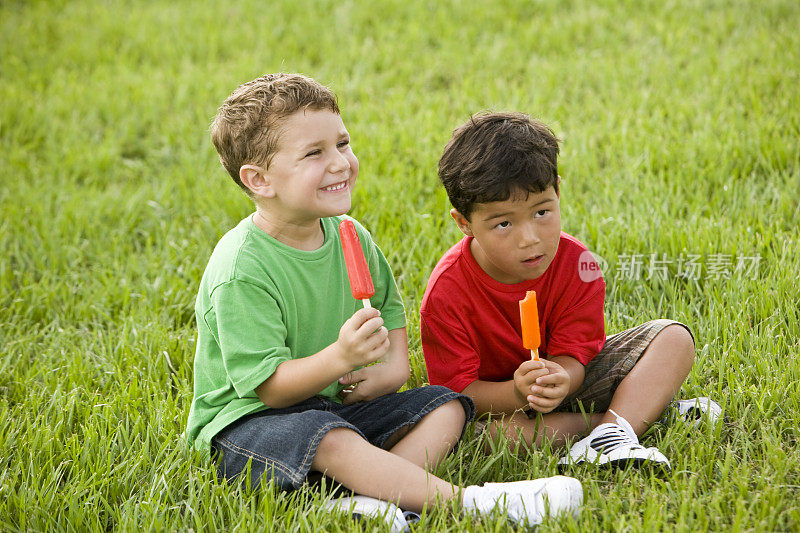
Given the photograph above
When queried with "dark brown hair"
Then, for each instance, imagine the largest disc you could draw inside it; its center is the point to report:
(495, 155)
(247, 126)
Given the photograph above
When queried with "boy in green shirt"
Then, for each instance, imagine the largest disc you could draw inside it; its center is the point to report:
(291, 374)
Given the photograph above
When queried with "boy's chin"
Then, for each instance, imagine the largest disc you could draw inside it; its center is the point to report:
(336, 210)
(530, 276)
(339, 213)
(341, 208)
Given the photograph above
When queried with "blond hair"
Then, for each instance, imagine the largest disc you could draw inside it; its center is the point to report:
(247, 126)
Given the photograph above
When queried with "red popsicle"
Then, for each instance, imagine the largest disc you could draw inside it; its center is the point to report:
(357, 269)
(529, 316)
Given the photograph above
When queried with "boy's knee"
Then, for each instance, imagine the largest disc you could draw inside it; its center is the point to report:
(680, 340)
(336, 441)
(453, 410)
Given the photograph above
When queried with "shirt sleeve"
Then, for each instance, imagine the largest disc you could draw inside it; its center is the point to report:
(450, 357)
(251, 334)
(579, 329)
(387, 296)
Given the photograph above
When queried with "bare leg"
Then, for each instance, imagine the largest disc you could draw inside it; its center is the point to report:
(366, 469)
(432, 438)
(555, 427)
(654, 380)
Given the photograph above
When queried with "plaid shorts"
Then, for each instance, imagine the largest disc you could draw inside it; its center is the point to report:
(606, 371)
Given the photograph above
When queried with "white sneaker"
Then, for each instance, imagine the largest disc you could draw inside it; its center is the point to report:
(694, 410)
(526, 501)
(613, 445)
(358, 506)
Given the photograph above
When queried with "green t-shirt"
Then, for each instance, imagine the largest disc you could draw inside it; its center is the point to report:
(261, 303)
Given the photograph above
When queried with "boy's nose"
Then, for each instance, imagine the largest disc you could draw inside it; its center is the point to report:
(529, 237)
(339, 163)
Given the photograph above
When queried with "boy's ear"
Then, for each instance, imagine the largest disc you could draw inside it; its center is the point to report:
(255, 178)
(558, 189)
(461, 222)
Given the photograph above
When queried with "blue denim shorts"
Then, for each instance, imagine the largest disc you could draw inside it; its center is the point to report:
(282, 442)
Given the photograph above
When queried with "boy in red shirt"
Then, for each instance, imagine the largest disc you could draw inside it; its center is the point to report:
(500, 172)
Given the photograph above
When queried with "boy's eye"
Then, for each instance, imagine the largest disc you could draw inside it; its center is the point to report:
(541, 212)
(504, 224)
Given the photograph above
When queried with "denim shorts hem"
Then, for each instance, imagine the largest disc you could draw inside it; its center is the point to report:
(469, 411)
(305, 466)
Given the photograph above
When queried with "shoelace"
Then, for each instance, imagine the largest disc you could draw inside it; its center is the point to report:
(615, 436)
(693, 413)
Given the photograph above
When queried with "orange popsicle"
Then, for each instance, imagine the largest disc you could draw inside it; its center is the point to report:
(357, 269)
(529, 316)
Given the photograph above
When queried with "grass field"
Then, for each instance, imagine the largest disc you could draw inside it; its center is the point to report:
(680, 130)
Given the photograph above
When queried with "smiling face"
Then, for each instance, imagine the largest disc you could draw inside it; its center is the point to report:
(312, 173)
(515, 239)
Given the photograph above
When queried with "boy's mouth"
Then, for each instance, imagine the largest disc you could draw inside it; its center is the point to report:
(336, 186)
(535, 260)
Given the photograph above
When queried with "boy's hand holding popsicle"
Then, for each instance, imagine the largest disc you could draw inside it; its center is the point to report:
(363, 334)
(545, 382)
(362, 338)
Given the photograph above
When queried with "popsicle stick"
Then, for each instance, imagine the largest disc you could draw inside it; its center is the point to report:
(367, 303)
(530, 411)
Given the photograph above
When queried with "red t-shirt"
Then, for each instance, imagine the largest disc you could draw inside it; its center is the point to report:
(470, 322)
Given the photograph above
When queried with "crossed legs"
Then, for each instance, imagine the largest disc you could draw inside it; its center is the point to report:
(640, 398)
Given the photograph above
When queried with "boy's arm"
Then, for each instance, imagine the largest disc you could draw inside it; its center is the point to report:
(550, 381)
(362, 340)
(384, 377)
(506, 397)
(500, 397)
